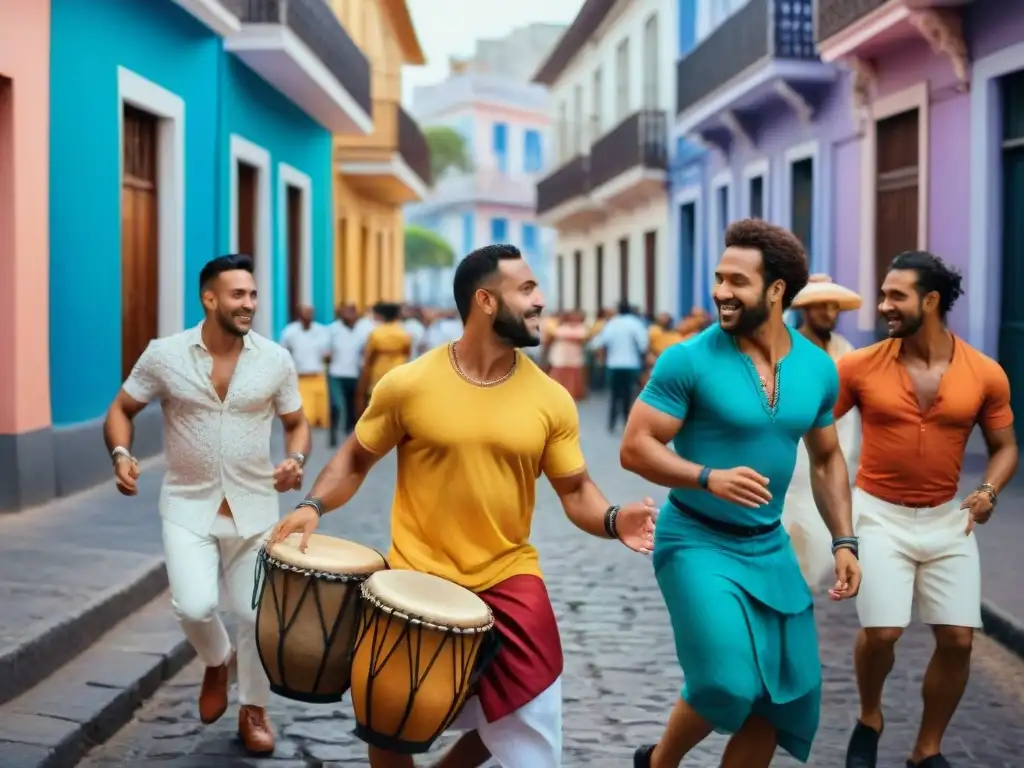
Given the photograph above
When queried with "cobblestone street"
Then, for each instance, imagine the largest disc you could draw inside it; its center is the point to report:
(621, 676)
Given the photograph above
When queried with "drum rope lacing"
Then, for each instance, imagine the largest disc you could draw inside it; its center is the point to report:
(419, 620)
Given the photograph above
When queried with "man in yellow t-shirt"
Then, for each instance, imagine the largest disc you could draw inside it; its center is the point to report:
(475, 422)
(388, 346)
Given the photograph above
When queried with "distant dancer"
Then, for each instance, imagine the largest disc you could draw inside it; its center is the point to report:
(735, 401)
(920, 394)
(388, 346)
(308, 343)
(566, 355)
(220, 386)
(346, 351)
(623, 340)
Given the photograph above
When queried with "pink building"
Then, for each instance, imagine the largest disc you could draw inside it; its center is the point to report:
(26, 447)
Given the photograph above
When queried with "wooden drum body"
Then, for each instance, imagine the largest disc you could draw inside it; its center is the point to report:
(420, 638)
(307, 614)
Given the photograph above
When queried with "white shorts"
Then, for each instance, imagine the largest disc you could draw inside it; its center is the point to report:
(530, 737)
(916, 555)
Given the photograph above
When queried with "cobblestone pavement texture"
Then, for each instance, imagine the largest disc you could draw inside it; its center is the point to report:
(621, 676)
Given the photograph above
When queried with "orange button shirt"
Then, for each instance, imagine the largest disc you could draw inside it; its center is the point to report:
(911, 458)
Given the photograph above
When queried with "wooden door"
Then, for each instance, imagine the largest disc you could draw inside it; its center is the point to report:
(560, 279)
(295, 244)
(896, 193)
(382, 294)
(342, 264)
(248, 180)
(599, 286)
(687, 254)
(650, 271)
(577, 278)
(364, 268)
(802, 202)
(1011, 325)
(624, 269)
(140, 267)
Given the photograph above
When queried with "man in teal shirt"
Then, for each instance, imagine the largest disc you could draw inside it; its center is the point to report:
(735, 401)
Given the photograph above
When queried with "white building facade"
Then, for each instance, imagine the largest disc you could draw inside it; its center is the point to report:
(605, 189)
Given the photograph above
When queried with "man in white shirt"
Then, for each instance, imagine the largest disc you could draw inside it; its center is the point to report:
(624, 339)
(308, 342)
(444, 327)
(415, 328)
(220, 386)
(346, 354)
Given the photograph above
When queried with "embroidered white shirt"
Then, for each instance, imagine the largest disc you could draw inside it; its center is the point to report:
(217, 449)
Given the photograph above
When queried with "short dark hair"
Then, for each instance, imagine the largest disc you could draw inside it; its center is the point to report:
(782, 253)
(388, 311)
(228, 263)
(625, 308)
(476, 269)
(933, 274)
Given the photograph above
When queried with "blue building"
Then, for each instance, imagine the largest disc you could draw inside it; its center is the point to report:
(180, 130)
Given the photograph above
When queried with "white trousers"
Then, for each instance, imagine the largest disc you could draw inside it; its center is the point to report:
(530, 737)
(921, 556)
(196, 565)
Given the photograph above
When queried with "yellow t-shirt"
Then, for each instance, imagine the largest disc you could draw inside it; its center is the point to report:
(468, 462)
(664, 339)
(390, 343)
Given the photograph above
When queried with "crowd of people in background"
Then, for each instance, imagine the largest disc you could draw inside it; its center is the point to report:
(339, 364)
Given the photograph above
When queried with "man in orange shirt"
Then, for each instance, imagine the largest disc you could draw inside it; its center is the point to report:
(920, 394)
(475, 422)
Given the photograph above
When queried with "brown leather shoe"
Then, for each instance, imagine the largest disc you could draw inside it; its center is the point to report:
(254, 730)
(213, 697)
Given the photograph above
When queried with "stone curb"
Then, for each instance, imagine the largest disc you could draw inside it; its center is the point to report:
(1005, 629)
(58, 644)
(91, 698)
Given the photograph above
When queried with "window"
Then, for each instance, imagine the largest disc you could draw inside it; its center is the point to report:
(757, 197)
(468, 232)
(721, 214)
(651, 63)
(598, 101)
(530, 244)
(622, 80)
(499, 146)
(533, 155)
(499, 230)
(711, 14)
(802, 202)
(563, 132)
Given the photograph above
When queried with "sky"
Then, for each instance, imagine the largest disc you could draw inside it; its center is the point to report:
(451, 27)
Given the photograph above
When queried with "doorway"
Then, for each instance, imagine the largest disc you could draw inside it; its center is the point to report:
(245, 224)
(757, 197)
(624, 269)
(687, 255)
(140, 266)
(896, 193)
(295, 249)
(650, 271)
(577, 278)
(1011, 322)
(802, 203)
(342, 265)
(560, 280)
(381, 293)
(364, 268)
(599, 282)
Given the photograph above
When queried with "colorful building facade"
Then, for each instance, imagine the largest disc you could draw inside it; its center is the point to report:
(377, 173)
(171, 131)
(939, 164)
(605, 189)
(26, 434)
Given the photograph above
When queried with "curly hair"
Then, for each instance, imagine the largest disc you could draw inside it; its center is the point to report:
(782, 253)
(933, 274)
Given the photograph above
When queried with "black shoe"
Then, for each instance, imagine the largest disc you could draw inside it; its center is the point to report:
(934, 761)
(642, 757)
(863, 749)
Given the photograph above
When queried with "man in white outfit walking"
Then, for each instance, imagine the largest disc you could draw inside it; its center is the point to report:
(220, 386)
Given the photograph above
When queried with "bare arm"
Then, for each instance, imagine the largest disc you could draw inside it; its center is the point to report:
(830, 482)
(117, 427)
(583, 502)
(296, 433)
(1003, 456)
(645, 452)
(343, 475)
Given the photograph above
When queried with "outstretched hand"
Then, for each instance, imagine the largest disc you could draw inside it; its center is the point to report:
(635, 525)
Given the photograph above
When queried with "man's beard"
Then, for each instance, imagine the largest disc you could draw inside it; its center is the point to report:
(909, 325)
(513, 330)
(226, 323)
(750, 319)
(823, 333)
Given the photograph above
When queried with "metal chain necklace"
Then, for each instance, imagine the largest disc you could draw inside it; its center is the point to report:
(769, 398)
(454, 358)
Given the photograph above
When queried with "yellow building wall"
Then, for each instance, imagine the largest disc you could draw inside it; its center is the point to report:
(369, 238)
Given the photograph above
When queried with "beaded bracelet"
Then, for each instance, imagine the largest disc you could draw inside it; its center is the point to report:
(851, 543)
(609, 521)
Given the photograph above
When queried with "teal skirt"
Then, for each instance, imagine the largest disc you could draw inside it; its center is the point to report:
(743, 620)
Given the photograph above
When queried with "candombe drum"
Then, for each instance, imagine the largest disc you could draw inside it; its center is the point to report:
(416, 657)
(307, 613)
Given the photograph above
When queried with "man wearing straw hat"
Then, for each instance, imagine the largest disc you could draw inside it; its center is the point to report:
(820, 301)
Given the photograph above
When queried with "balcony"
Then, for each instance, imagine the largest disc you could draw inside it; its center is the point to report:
(628, 165)
(859, 30)
(563, 196)
(300, 48)
(760, 57)
(481, 186)
(214, 15)
(392, 164)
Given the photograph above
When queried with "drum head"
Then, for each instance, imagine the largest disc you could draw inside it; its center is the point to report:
(427, 597)
(328, 554)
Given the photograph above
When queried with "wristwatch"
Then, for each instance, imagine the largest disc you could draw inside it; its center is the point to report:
(990, 490)
(121, 452)
(298, 458)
